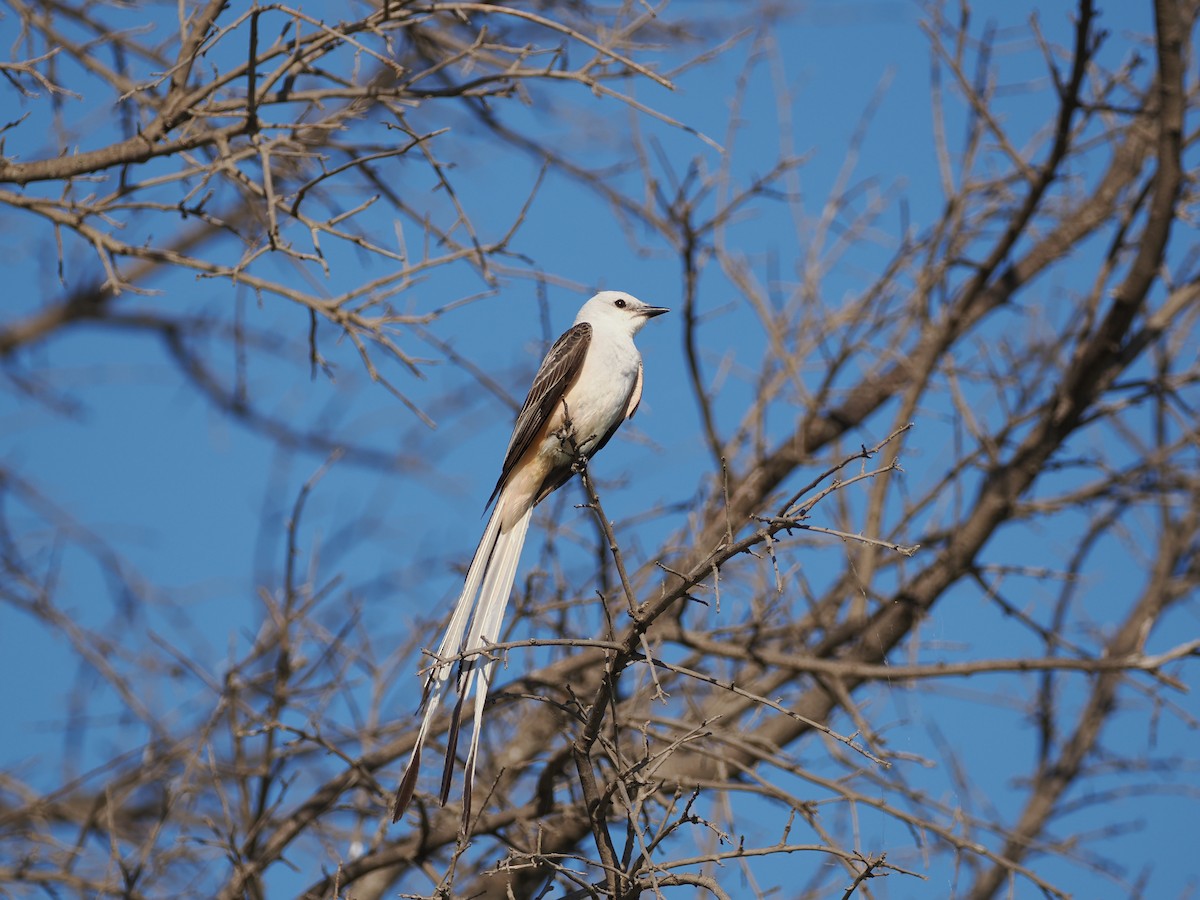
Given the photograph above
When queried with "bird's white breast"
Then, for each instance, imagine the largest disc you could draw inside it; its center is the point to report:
(598, 399)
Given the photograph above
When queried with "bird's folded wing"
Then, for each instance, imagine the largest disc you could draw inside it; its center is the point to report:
(558, 372)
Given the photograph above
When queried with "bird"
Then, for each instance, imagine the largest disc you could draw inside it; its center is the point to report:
(588, 384)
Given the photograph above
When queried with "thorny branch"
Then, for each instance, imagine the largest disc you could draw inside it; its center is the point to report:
(779, 664)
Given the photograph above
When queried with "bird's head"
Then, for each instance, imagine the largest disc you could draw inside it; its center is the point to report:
(617, 309)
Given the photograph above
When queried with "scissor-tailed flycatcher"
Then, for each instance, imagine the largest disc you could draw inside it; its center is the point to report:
(588, 384)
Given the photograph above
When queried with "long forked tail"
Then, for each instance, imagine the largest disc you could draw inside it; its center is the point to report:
(474, 625)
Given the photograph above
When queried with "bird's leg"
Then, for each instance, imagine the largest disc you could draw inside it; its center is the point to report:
(570, 444)
(579, 463)
(566, 432)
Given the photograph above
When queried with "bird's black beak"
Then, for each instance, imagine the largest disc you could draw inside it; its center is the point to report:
(651, 311)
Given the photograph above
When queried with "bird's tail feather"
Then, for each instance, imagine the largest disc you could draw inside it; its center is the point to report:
(481, 604)
(485, 629)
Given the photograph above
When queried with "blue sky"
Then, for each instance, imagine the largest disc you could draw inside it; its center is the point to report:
(194, 501)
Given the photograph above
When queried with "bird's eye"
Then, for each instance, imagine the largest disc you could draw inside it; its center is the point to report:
(620, 302)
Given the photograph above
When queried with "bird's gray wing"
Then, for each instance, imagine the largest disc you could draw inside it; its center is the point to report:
(560, 369)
